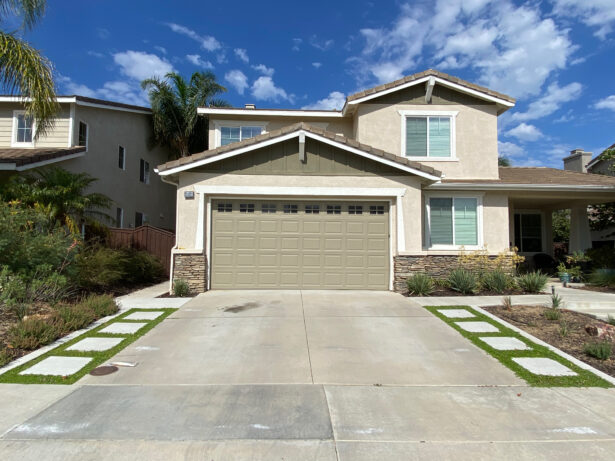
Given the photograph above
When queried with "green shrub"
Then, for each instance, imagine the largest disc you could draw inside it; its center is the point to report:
(497, 281)
(552, 313)
(69, 318)
(610, 320)
(141, 266)
(5, 356)
(31, 333)
(463, 280)
(533, 282)
(556, 301)
(603, 278)
(601, 350)
(563, 328)
(101, 305)
(601, 258)
(507, 302)
(181, 288)
(420, 284)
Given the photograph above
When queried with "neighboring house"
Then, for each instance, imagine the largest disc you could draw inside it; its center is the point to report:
(108, 140)
(399, 181)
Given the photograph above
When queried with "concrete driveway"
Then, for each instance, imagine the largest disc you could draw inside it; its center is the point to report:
(305, 376)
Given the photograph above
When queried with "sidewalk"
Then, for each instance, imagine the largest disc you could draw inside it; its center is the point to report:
(147, 298)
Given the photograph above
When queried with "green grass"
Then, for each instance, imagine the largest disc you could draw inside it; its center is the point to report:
(13, 376)
(584, 378)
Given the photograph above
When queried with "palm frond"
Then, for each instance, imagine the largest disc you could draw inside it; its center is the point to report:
(29, 10)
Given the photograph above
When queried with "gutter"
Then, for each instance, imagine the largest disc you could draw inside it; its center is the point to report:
(522, 187)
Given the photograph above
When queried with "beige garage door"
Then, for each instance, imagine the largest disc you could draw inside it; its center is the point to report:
(296, 244)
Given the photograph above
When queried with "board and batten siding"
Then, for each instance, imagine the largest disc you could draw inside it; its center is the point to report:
(57, 136)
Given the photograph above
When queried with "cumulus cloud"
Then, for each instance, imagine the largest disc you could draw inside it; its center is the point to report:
(606, 103)
(198, 61)
(162, 49)
(263, 69)
(525, 132)
(317, 64)
(242, 54)
(335, 100)
(140, 65)
(550, 102)
(120, 91)
(264, 89)
(510, 150)
(237, 79)
(599, 14)
(207, 42)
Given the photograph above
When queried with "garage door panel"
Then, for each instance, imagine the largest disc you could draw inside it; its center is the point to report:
(304, 247)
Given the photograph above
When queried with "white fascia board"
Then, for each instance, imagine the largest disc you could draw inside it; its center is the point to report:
(74, 100)
(7, 166)
(62, 100)
(463, 89)
(29, 166)
(301, 191)
(521, 187)
(270, 113)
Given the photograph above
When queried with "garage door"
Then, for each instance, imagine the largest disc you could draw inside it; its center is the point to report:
(296, 244)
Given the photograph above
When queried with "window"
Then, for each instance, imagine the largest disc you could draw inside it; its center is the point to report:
(246, 208)
(230, 134)
(376, 209)
(119, 217)
(290, 209)
(428, 134)
(453, 221)
(312, 209)
(355, 209)
(225, 207)
(83, 135)
(121, 158)
(268, 208)
(144, 172)
(140, 219)
(528, 232)
(23, 129)
(334, 209)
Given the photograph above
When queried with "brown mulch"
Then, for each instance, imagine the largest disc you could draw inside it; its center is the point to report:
(532, 320)
(595, 288)
(449, 292)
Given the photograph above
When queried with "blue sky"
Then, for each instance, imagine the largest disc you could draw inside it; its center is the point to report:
(557, 57)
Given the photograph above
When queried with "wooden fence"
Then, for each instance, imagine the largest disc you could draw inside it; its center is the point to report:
(155, 241)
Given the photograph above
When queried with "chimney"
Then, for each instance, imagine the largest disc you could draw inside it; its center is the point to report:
(250, 106)
(577, 161)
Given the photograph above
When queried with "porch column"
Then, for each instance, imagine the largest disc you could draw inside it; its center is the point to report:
(580, 236)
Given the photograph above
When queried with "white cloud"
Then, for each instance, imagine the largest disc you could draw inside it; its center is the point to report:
(128, 92)
(317, 64)
(264, 88)
(237, 80)
(606, 103)
(550, 102)
(322, 45)
(513, 49)
(510, 150)
(141, 65)
(525, 132)
(96, 54)
(198, 61)
(263, 69)
(594, 13)
(162, 49)
(297, 44)
(242, 54)
(207, 42)
(335, 100)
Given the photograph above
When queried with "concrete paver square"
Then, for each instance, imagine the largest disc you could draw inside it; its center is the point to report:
(57, 366)
(123, 328)
(477, 327)
(505, 343)
(144, 315)
(543, 366)
(95, 344)
(456, 313)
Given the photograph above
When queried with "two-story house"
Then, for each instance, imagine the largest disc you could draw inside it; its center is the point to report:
(399, 181)
(105, 139)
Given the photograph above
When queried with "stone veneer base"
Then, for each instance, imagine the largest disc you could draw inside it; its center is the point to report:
(191, 267)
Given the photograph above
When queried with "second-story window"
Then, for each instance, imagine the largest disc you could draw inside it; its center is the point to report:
(144, 172)
(121, 158)
(23, 128)
(83, 135)
(231, 134)
(428, 134)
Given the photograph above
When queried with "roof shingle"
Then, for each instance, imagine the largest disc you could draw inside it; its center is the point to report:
(541, 176)
(22, 157)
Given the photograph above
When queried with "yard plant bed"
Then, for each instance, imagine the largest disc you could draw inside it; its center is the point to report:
(583, 378)
(532, 319)
(447, 292)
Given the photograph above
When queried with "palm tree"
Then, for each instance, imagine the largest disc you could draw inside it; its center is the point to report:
(61, 194)
(23, 70)
(174, 103)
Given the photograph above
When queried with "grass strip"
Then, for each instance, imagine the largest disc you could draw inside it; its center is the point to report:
(584, 378)
(99, 357)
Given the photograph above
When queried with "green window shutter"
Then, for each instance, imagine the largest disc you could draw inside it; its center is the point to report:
(416, 136)
(441, 221)
(439, 137)
(466, 222)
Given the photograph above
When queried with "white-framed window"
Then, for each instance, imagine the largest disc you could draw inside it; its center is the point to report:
(529, 231)
(82, 139)
(121, 157)
(23, 129)
(228, 132)
(428, 135)
(140, 219)
(119, 217)
(453, 221)
(144, 171)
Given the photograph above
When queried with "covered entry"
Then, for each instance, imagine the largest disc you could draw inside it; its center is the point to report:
(318, 244)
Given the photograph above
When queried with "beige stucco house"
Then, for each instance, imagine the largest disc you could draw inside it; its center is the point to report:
(106, 139)
(400, 180)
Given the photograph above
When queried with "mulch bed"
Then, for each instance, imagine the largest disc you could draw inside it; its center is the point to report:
(594, 288)
(449, 292)
(532, 320)
(8, 319)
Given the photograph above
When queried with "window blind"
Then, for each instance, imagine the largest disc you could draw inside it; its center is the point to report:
(439, 137)
(416, 136)
(441, 221)
(465, 221)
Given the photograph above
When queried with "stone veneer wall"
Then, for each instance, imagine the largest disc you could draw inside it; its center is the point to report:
(191, 267)
(437, 266)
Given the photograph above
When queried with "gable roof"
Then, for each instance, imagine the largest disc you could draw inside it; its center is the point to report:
(289, 132)
(438, 77)
(600, 157)
(24, 159)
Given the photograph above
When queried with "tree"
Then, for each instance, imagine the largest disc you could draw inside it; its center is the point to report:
(23, 70)
(602, 216)
(503, 161)
(174, 104)
(561, 226)
(60, 194)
